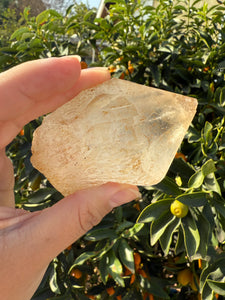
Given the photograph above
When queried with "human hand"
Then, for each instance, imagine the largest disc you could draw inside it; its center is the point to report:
(29, 241)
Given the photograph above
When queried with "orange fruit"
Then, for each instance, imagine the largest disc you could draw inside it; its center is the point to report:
(21, 132)
(180, 155)
(194, 283)
(184, 277)
(130, 67)
(90, 297)
(147, 296)
(206, 69)
(83, 65)
(112, 68)
(69, 248)
(137, 206)
(200, 263)
(137, 260)
(132, 279)
(120, 58)
(179, 209)
(76, 273)
(119, 297)
(110, 291)
(122, 76)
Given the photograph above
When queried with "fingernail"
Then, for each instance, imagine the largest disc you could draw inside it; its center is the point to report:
(75, 56)
(125, 196)
(101, 69)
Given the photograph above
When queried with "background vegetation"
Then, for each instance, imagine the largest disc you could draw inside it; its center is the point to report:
(141, 250)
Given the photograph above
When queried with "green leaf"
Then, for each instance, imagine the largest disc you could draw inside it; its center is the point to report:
(180, 247)
(88, 15)
(193, 134)
(42, 17)
(219, 204)
(154, 210)
(207, 293)
(103, 268)
(193, 199)
(166, 238)
(196, 180)
(168, 186)
(115, 268)
(123, 225)
(41, 195)
(183, 169)
(217, 287)
(155, 74)
(208, 167)
(19, 32)
(214, 271)
(54, 13)
(84, 257)
(159, 226)
(53, 280)
(126, 255)
(157, 287)
(218, 273)
(212, 184)
(205, 232)
(133, 230)
(207, 132)
(191, 235)
(100, 234)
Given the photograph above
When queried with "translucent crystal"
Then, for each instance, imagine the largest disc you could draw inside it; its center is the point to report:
(117, 131)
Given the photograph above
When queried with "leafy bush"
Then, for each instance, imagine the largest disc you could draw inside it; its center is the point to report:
(139, 251)
(48, 34)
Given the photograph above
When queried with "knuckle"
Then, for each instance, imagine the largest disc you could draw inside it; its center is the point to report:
(88, 216)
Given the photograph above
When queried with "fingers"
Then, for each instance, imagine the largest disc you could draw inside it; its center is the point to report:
(39, 87)
(25, 86)
(46, 233)
(61, 225)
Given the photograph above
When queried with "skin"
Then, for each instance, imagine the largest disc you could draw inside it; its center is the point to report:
(29, 241)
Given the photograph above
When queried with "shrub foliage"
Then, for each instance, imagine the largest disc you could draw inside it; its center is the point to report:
(139, 250)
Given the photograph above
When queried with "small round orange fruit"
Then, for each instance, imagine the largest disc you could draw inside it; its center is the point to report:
(184, 277)
(21, 132)
(112, 68)
(83, 65)
(76, 273)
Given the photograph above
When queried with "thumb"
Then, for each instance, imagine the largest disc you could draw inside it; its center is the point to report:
(69, 219)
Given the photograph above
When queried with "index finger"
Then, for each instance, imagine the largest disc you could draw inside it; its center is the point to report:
(39, 87)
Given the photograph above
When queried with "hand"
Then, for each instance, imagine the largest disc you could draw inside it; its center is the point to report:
(29, 241)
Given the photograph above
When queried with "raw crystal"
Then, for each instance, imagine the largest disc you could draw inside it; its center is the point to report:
(117, 131)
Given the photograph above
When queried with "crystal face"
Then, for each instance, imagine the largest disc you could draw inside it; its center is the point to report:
(117, 131)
